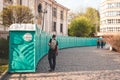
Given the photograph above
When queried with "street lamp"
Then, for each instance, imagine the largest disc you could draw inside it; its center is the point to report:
(44, 12)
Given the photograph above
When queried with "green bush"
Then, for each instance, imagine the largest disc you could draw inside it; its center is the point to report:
(3, 68)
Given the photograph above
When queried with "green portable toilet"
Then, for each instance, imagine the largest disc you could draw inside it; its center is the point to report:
(22, 48)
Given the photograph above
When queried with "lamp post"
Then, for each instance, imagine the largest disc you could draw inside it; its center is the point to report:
(44, 12)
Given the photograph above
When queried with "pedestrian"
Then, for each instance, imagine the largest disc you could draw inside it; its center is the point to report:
(98, 43)
(102, 43)
(53, 52)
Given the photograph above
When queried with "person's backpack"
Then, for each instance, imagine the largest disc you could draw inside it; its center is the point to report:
(53, 44)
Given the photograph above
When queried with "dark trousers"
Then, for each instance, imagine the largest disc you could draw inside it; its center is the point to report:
(98, 45)
(102, 45)
(52, 59)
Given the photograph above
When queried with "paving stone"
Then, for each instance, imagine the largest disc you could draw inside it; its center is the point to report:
(83, 63)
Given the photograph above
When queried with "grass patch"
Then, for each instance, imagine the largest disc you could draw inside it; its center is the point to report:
(3, 68)
(3, 65)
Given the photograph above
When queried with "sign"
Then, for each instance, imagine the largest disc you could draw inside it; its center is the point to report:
(27, 37)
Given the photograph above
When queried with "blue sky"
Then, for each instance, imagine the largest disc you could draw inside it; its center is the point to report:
(80, 5)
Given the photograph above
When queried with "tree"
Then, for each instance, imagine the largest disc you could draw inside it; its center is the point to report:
(16, 14)
(94, 17)
(80, 27)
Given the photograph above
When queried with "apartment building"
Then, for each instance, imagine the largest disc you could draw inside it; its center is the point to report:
(110, 17)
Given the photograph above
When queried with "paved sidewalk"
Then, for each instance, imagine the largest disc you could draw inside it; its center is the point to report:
(83, 63)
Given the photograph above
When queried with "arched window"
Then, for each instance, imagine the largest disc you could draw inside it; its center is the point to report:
(39, 8)
(20, 2)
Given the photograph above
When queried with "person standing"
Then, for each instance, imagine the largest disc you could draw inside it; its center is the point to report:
(53, 52)
(98, 43)
(102, 43)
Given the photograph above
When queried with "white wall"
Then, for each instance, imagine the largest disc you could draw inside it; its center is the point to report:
(1, 8)
(1, 5)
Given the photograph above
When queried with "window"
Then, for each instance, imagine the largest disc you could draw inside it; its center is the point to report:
(54, 12)
(118, 20)
(61, 28)
(20, 2)
(109, 21)
(39, 8)
(113, 5)
(8, 1)
(54, 26)
(112, 21)
(61, 15)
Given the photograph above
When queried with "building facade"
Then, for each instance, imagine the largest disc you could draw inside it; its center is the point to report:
(110, 17)
(48, 14)
(1, 8)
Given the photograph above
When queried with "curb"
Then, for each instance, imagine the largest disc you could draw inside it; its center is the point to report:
(3, 75)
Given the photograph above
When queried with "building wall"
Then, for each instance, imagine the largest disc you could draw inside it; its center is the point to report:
(63, 21)
(58, 20)
(110, 16)
(45, 20)
(3, 32)
(1, 8)
(1, 5)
